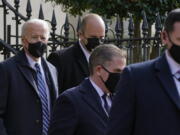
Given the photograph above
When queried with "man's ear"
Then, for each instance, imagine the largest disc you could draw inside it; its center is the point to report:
(97, 69)
(23, 39)
(164, 37)
(78, 33)
(24, 42)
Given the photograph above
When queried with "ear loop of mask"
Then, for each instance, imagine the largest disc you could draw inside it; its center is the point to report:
(106, 71)
(84, 41)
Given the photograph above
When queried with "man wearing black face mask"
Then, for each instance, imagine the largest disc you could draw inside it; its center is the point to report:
(28, 85)
(147, 100)
(84, 109)
(72, 62)
(112, 80)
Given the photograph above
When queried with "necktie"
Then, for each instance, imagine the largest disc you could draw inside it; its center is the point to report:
(106, 106)
(44, 100)
(177, 75)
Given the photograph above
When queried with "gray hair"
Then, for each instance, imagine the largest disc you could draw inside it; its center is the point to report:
(103, 54)
(35, 21)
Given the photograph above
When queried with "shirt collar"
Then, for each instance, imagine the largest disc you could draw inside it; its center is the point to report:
(86, 53)
(32, 62)
(174, 66)
(97, 88)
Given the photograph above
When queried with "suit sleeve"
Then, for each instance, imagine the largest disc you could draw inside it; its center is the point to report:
(3, 99)
(64, 118)
(122, 112)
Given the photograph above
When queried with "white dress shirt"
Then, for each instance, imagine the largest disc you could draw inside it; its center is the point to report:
(86, 53)
(174, 67)
(101, 93)
(32, 65)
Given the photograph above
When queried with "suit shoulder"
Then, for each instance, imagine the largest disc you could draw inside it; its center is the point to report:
(64, 55)
(65, 52)
(140, 70)
(72, 93)
(142, 65)
(9, 62)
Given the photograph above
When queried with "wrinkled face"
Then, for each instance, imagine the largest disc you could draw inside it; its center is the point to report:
(34, 33)
(174, 36)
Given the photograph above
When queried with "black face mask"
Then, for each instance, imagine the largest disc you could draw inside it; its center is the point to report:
(92, 43)
(175, 52)
(112, 80)
(37, 49)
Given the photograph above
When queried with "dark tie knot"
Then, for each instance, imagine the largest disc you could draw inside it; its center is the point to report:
(177, 75)
(109, 96)
(104, 96)
(37, 66)
(106, 106)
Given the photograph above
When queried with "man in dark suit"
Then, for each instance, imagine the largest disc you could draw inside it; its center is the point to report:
(148, 97)
(84, 109)
(28, 85)
(72, 62)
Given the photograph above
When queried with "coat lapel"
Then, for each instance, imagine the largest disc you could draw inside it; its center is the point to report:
(25, 69)
(79, 55)
(51, 75)
(165, 76)
(91, 97)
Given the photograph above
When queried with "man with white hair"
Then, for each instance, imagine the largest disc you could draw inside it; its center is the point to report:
(28, 84)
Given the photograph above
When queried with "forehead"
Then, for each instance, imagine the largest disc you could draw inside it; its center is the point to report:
(95, 28)
(33, 29)
(117, 63)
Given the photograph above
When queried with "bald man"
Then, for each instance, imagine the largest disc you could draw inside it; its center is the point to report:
(72, 62)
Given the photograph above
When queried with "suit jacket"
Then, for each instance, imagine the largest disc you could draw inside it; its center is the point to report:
(147, 101)
(20, 105)
(72, 66)
(78, 111)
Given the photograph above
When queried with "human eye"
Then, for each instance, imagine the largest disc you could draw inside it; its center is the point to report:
(34, 37)
(43, 38)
